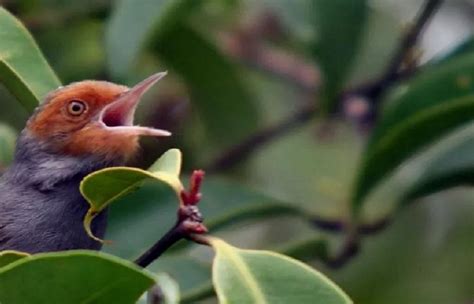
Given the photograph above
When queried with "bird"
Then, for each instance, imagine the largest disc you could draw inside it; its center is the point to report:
(77, 129)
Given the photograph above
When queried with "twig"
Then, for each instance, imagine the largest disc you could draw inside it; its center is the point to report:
(373, 92)
(395, 70)
(236, 154)
(188, 222)
(248, 45)
(410, 39)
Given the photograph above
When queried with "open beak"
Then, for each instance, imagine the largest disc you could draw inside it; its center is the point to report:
(118, 116)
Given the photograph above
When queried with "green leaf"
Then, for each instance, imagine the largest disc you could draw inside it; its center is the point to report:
(23, 69)
(102, 187)
(139, 21)
(453, 167)
(151, 211)
(194, 275)
(428, 107)
(255, 276)
(339, 25)
(10, 256)
(75, 52)
(72, 277)
(7, 145)
(219, 95)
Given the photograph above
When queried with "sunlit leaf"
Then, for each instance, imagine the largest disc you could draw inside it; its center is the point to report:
(72, 277)
(102, 187)
(254, 276)
(420, 112)
(23, 69)
(194, 275)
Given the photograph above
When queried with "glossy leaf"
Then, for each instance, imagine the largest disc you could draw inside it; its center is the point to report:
(255, 276)
(433, 104)
(10, 256)
(453, 167)
(218, 94)
(72, 277)
(7, 145)
(102, 187)
(23, 69)
(197, 285)
(140, 21)
(151, 211)
(339, 25)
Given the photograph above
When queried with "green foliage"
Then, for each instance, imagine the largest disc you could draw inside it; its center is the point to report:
(212, 80)
(453, 167)
(339, 25)
(150, 211)
(252, 276)
(298, 183)
(78, 276)
(10, 256)
(433, 104)
(102, 187)
(139, 22)
(219, 95)
(7, 144)
(18, 54)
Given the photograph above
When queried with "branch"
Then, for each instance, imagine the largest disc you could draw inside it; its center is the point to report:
(248, 51)
(373, 91)
(243, 150)
(188, 222)
(410, 39)
(402, 65)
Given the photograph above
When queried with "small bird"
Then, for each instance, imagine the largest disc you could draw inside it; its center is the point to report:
(78, 129)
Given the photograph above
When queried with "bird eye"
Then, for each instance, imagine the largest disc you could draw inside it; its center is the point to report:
(76, 107)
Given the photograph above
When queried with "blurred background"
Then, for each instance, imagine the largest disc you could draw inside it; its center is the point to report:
(279, 101)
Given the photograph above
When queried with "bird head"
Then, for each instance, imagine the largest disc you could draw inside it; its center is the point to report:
(92, 118)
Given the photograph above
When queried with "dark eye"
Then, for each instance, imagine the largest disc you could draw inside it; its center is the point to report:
(76, 107)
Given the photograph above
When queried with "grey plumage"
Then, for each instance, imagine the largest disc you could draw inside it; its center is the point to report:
(41, 208)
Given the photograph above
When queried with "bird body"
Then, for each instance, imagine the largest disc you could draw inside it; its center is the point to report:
(79, 128)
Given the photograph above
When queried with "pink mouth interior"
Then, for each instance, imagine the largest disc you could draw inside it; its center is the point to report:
(119, 114)
(113, 118)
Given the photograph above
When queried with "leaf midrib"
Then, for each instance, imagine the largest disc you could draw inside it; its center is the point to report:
(246, 274)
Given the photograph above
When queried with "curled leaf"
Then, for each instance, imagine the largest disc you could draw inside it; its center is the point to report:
(102, 187)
